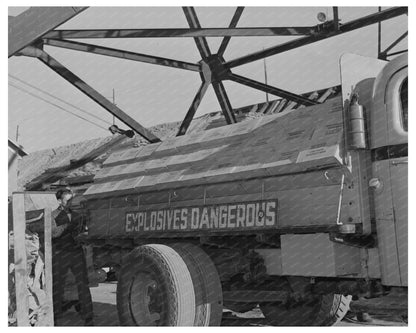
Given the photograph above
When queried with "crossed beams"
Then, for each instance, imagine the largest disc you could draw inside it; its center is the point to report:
(384, 54)
(347, 27)
(271, 90)
(78, 83)
(205, 53)
(327, 32)
(233, 24)
(212, 67)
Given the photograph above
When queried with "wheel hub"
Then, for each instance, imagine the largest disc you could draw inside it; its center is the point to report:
(145, 303)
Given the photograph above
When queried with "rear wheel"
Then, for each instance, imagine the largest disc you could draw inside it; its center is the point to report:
(155, 288)
(206, 282)
(327, 310)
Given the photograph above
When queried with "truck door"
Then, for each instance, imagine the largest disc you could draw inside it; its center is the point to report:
(390, 171)
(398, 159)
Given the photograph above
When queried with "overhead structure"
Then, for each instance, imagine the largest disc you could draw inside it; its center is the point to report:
(383, 55)
(213, 68)
(35, 22)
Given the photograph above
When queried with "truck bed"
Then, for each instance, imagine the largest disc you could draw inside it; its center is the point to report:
(284, 143)
(279, 172)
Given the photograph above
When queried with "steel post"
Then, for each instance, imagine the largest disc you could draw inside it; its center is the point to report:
(225, 104)
(192, 109)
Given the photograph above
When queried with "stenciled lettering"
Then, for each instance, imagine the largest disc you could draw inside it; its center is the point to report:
(238, 216)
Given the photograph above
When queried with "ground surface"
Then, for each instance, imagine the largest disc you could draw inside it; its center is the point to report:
(105, 313)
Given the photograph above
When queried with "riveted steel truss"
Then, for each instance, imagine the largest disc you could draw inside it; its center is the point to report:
(213, 68)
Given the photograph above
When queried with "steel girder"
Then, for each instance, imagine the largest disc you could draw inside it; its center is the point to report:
(35, 22)
(384, 54)
(183, 32)
(336, 18)
(110, 52)
(89, 91)
(324, 30)
(233, 24)
(201, 42)
(192, 109)
(213, 68)
(347, 27)
(271, 90)
(213, 72)
(396, 53)
(224, 101)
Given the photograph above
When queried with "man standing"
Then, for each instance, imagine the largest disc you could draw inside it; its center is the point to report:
(67, 255)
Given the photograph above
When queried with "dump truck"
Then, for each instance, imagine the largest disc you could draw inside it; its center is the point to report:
(302, 213)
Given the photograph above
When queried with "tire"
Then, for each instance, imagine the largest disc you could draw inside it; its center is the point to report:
(206, 282)
(338, 306)
(327, 311)
(155, 288)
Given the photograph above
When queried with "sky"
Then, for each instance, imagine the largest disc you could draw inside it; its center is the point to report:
(154, 94)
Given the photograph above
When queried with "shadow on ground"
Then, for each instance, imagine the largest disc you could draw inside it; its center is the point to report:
(105, 313)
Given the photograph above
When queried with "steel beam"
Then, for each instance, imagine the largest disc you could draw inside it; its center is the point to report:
(192, 109)
(35, 22)
(205, 52)
(397, 41)
(200, 42)
(233, 24)
(225, 104)
(110, 52)
(396, 53)
(347, 27)
(182, 32)
(92, 93)
(271, 90)
(336, 18)
(379, 37)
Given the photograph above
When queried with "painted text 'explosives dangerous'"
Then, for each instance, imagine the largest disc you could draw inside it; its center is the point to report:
(239, 216)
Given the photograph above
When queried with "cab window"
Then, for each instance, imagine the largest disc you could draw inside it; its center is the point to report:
(404, 104)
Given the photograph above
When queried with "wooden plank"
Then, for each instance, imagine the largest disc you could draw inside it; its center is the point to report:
(48, 266)
(272, 107)
(19, 228)
(325, 95)
(281, 105)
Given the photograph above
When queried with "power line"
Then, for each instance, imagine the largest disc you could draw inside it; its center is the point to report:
(56, 105)
(59, 99)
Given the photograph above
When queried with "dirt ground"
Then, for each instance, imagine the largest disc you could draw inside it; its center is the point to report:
(105, 313)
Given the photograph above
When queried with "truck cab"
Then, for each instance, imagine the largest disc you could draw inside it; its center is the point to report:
(389, 182)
